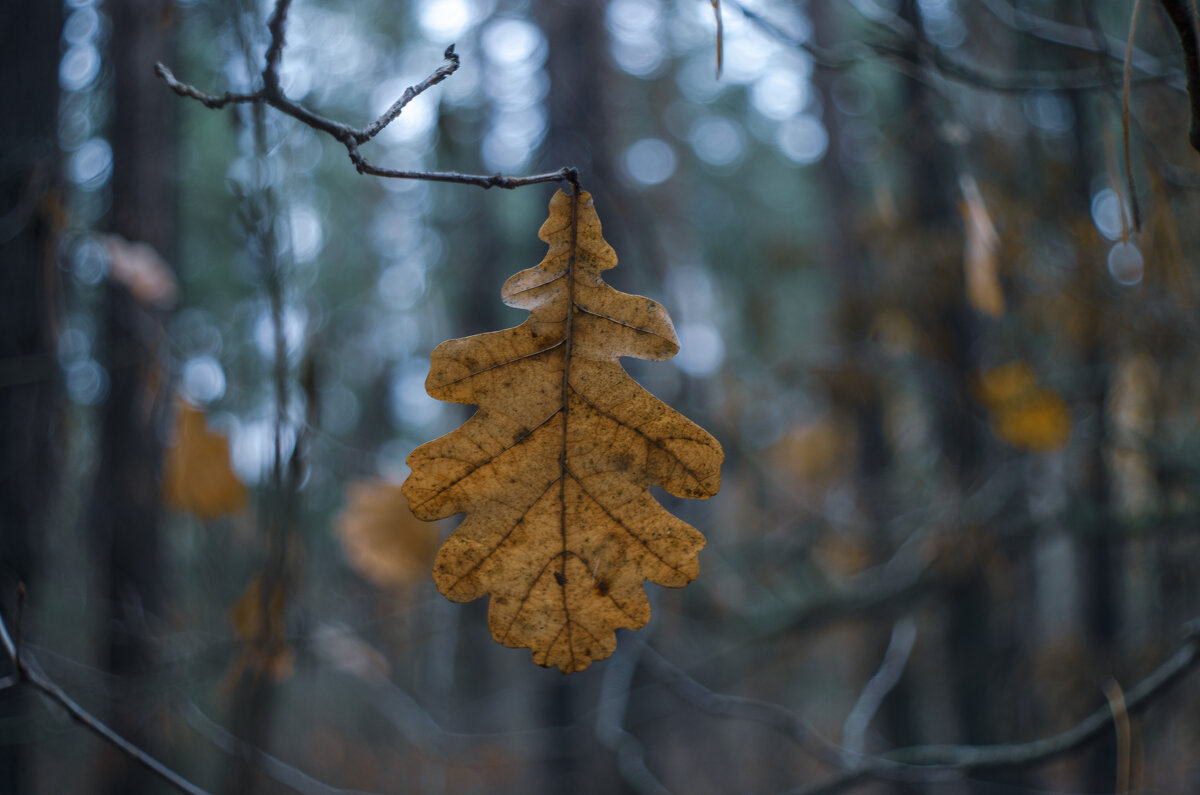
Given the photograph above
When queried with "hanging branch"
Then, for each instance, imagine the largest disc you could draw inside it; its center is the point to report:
(28, 673)
(352, 138)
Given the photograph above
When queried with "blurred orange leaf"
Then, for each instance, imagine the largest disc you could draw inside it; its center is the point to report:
(382, 539)
(197, 475)
(554, 469)
(1024, 414)
(979, 258)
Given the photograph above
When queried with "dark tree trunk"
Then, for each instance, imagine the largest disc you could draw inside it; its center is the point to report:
(578, 66)
(126, 504)
(970, 609)
(30, 294)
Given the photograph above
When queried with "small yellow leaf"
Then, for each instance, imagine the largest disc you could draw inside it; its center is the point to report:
(197, 475)
(382, 539)
(979, 258)
(260, 626)
(1024, 414)
(1040, 422)
(1005, 384)
(554, 469)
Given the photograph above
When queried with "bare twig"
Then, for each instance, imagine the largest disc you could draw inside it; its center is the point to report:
(854, 728)
(913, 56)
(610, 719)
(779, 718)
(28, 673)
(776, 716)
(352, 138)
(927, 763)
(968, 758)
(276, 769)
(1126, 92)
(1120, 717)
(1076, 38)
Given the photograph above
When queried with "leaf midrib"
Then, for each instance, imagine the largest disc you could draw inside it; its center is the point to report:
(568, 340)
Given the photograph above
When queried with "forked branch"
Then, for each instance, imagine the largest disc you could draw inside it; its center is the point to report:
(351, 137)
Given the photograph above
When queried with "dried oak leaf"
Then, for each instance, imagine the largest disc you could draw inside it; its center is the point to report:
(197, 474)
(554, 469)
(382, 539)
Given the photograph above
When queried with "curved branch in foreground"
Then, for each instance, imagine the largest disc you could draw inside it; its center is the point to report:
(272, 94)
(28, 674)
(968, 758)
(925, 762)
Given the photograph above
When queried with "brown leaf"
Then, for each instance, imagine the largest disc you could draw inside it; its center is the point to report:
(554, 468)
(382, 539)
(197, 476)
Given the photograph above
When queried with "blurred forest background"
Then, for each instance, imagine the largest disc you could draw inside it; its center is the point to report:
(957, 387)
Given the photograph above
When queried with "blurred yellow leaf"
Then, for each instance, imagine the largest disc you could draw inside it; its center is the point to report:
(554, 469)
(979, 258)
(197, 475)
(382, 539)
(259, 625)
(1005, 384)
(1024, 414)
(812, 452)
(1040, 422)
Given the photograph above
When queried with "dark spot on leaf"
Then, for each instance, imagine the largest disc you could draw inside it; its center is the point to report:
(602, 587)
(559, 578)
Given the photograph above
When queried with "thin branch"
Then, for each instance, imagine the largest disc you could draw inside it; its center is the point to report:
(854, 728)
(610, 719)
(776, 716)
(1126, 92)
(208, 100)
(779, 718)
(927, 763)
(272, 94)
(969, 758)
(28, 673)
(904, 51)
(1076, 38)
(275, 769)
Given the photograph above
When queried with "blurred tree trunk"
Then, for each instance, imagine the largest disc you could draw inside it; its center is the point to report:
(861, 300)
(578, 66)
(126, 506)
(972, 627)
(30, 294)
